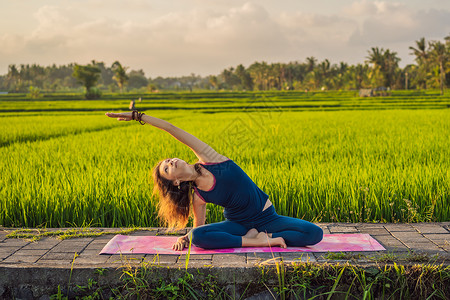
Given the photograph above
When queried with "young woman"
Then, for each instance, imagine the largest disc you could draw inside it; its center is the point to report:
(251, 220)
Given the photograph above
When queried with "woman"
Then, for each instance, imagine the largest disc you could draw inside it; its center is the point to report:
(251, 220)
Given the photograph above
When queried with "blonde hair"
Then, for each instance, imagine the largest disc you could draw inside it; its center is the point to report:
(174, 205)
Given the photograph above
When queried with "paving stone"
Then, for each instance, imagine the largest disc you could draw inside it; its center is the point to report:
(423, 246)
(264, 255)
(369, 225)
(14, 243)
(430, 228)
(125, 259)
(374, 231)
(54, 262)
(343, 229)
(95, 246)
(8, 249)
(70, 246)
(89, 252)
(161, 259)
(407, 235)
(22, 259)
(196, 257)
(390, 243)
(400, 227)
(261, 257)
(196, 263)
(4, 255)
(37, 252)
(297, 257)
(100, 259)
(42, 244)
(144, 233)
(69, 256)
(229, 260)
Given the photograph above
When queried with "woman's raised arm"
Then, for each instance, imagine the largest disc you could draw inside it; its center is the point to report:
(203, 151)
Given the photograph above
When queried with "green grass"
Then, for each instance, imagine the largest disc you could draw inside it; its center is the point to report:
(65, 168)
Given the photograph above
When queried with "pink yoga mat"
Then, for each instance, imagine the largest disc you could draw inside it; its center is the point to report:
(123, 244)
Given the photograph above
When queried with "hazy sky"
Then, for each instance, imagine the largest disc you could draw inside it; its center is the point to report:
(179, 37)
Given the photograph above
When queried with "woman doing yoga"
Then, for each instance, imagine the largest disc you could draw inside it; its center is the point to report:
(251, 220)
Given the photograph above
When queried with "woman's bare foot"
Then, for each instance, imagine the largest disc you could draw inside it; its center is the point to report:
(279, 241)
(263, 240)
(251, 234)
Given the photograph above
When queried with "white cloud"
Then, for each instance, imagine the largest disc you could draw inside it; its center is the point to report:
(205, 38)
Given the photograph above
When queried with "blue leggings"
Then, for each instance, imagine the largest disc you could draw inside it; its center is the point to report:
(228, 234)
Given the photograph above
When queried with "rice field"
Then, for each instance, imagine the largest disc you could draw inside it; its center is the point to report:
(73, 166)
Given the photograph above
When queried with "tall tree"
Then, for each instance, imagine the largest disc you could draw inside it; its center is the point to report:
(120, 74)
(423, 61)
(440, 56)
(384, 66)
(88, 76)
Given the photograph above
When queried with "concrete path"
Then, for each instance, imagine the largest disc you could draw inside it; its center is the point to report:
(26, 262)
(426, 239)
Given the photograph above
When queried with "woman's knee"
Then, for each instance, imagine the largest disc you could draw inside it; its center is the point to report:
(316, 234)
(198, 236)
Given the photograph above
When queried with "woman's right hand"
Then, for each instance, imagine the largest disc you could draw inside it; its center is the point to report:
(123, 116)
(182, 242)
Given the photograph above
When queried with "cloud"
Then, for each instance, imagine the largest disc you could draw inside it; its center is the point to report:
(393, 23)
(207, 38)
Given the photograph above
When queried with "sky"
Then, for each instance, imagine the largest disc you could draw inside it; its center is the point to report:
(180, 37)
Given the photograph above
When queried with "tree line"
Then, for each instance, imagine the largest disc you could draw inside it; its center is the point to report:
(380, 69)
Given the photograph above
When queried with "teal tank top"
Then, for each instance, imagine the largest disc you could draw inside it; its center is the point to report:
(233, 190)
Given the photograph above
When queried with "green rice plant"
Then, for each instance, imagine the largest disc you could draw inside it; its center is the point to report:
(94, 170)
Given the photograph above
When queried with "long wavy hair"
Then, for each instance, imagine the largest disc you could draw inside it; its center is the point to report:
(174, 206)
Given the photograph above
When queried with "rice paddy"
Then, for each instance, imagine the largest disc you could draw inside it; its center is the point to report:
(325, 157)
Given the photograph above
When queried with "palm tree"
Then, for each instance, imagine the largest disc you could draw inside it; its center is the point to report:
(384, 64)
(311, 63)
(440, 55)
(120, 74)
(423, 61)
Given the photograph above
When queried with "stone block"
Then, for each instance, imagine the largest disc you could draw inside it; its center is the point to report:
(163, 259)
(36, 252)
(263, 257)
(195, 257)
(17, 259)
(297, 257)
(67, 246)
(96, 245)
(235, 260)
(126, 259)
(343, 229)
(42, 244)
(90, 252)
(401, 235)
(439, 239)
(390, 243)
(400, 227)
(430, 228)
(54, 262)
(14, 243)
(87, 260)
(144, 233)
(374, 231)
(423, 246)
(69, 256)
(200, 263)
